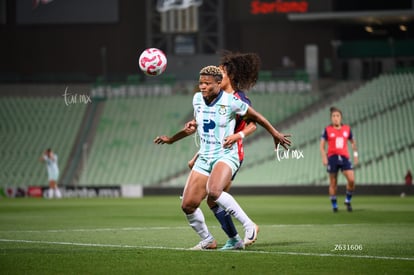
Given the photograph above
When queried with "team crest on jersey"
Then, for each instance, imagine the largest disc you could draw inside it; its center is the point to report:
(222, 110)
(345, 134)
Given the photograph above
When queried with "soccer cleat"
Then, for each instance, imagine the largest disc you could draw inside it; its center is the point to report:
(233, 244)
(348, 206)
(205, 244)
(251, 235)
(335, 209)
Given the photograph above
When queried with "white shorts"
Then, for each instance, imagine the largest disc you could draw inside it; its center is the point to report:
(53, 175)
(205, 166)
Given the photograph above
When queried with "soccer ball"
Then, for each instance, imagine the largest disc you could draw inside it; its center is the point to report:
(152, 62)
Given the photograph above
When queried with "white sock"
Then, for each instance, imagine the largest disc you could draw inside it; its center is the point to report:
(227, 202)
(197, 222)
(50, 193)
(57, 193)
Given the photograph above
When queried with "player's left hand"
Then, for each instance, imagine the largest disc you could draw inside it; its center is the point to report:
(230, 140)
(282, 139)
(355, 161)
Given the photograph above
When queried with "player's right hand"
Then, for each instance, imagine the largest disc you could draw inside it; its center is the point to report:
(190, 127)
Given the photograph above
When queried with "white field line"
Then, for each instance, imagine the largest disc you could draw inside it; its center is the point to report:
(97, 229)
(179, 248)
(157, 228)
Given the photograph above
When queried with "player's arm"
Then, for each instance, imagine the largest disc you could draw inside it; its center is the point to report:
(192, 161)
(52, 156)
(247, 131)
(278, 138)
(189, 129)
(42, 157)
(355, 150)
(322, 146)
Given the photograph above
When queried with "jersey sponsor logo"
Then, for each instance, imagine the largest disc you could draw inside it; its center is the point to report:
(207, 141)
(200, 109)
(208, 125)
(339, 143)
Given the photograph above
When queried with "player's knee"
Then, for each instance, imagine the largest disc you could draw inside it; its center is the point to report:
(211, 202)
(188, 207)
(213, 194)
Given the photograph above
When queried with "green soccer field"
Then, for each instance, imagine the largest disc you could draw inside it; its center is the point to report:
(298, 235)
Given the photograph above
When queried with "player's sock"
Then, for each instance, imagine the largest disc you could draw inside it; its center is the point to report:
(225, 220)
(334, 202)
(58, 194)
(348, 196)
(227, 202)
(197, 222)
(50, 193)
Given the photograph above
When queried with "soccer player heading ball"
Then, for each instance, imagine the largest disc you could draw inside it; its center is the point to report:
(337, 136)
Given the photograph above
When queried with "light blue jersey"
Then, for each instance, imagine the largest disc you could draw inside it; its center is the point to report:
(215, 122)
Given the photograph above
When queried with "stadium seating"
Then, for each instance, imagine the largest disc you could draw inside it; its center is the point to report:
(123, 151)
(369, 110)
(29, 125)
(380, 114)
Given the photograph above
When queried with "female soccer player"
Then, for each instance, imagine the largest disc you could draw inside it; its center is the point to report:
(215, 113)
(240, 72)
(337, 136)
(51, 160)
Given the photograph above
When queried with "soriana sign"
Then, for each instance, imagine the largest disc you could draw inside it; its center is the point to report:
(278, 6)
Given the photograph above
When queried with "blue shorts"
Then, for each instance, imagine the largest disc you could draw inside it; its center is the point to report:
(338, 162)
(205, 166)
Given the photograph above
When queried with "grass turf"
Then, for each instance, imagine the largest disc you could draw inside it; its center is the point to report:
(298, 235)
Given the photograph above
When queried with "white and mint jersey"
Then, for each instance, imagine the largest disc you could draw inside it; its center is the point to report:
(215, 122)
(52, 167)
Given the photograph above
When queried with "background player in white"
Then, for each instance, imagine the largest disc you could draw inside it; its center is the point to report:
(51, 160)
(215, 113)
